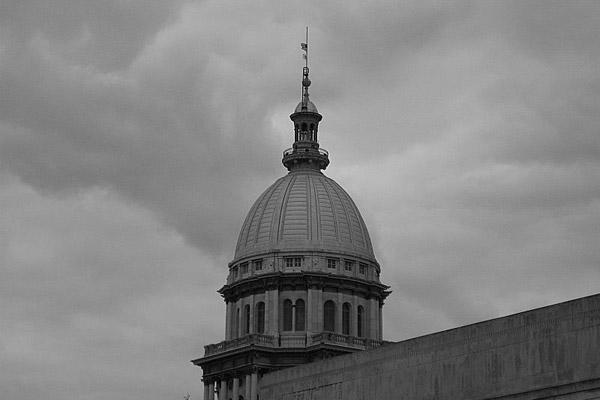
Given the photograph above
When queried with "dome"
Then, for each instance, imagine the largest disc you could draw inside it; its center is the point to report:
(310, 107)
(304, 211)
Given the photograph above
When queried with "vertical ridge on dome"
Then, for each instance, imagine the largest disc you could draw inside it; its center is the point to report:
(345, 229)
(263, 232)
(326, 212)
(295, 222)
(282, 208)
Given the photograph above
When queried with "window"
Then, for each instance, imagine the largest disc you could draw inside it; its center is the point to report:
(329, 316)
(362, 268)
(293, 262)
(348, 265)
(300, 324)
(258, 265)
(360, 315)
(287, 315)
(346, 319)
(244, 268)
(247, 319)
(236, 326)
(235, 273)
(260, 318)
(331, 263)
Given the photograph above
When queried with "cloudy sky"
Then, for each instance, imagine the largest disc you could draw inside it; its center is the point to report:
(135, 135)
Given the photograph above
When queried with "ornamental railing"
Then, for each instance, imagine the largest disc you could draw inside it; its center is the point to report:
(290, 151)
(292, 341)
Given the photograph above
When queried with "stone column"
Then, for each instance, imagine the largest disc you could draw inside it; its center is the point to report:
(309, 312)
(236, 388)
(226, 320)
(223, 391)
(381, 321)
(319, 309)
(206, 390)
(339, 307)
(247, 386)
(268, 307)
(373, 318)
(211, 391)
(354, 316)
(254, 386)
(275, 311)
(252, 310)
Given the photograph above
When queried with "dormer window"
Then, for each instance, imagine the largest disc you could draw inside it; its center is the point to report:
(293, 262)
(348, 265)
(331, 263)
(244, 268)
(362, 268)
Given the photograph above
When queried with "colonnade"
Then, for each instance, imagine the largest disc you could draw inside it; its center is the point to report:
(219, 389)
(235, 322)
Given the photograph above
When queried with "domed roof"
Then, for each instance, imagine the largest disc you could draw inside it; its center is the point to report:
(310, 107)
(304, 211)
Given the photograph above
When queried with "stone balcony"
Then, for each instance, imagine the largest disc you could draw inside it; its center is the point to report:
(292, 342)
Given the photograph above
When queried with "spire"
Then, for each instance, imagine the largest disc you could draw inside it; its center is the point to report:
(305, 152)
(305, 81)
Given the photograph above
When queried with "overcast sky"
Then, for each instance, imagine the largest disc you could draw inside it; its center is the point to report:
(135, 135)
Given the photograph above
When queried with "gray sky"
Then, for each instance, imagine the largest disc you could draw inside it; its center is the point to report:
(135, 135)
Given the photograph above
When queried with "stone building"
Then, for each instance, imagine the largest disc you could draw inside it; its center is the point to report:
(304, 312)
(547, 353)
(304, 282)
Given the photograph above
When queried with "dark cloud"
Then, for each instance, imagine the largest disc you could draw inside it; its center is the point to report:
(134, 137)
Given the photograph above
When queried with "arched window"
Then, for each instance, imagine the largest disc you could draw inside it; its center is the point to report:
(259, 319)
(300, 324)
(247, 319)
(329, 316)
(287, 315)
(360, 323)
(346, 319)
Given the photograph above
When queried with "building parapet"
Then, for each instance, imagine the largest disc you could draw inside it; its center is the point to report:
(292, 341)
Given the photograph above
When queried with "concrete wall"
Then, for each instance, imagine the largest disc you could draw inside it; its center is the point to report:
(548, 352)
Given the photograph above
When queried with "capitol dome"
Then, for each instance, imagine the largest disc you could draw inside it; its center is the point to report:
(304, 211)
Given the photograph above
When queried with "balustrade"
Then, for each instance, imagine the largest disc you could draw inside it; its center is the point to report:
(292, 341)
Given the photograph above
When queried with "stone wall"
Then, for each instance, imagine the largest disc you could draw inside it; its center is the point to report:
(552, 351)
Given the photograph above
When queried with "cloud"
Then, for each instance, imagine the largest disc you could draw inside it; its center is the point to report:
(134, 137)
(89, 285)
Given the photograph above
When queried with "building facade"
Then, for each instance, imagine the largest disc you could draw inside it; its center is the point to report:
(304, 283)
(551, 352)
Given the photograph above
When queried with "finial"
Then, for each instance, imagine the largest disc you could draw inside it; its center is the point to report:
(305, 81)
(305, 152)
(305, 48)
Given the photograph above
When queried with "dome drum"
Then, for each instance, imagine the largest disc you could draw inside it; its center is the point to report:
(330, 263)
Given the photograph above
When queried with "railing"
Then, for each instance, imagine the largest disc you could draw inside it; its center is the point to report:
(292, 341)
(255, 338)
(290, 151)
(346, 340)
